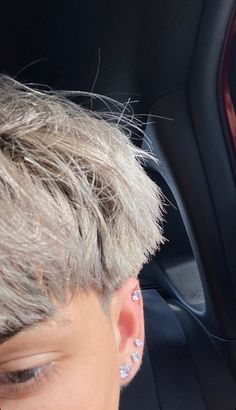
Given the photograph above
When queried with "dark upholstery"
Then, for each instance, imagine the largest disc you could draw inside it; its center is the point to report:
(182, 367)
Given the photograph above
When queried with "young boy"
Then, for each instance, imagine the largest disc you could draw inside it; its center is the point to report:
(78, 219)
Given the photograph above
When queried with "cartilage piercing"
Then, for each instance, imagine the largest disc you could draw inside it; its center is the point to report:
(138, 342)
(125, 371)
(136, 295)
(135, 357)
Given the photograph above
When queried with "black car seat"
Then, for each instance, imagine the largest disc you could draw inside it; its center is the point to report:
(183, 368)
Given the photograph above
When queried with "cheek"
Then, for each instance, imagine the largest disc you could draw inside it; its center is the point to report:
(95, 383)
(95, 380)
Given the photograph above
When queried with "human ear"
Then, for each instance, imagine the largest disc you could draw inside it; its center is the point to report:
(126, 313)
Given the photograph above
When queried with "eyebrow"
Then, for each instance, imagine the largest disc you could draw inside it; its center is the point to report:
(6, 335)
(36, 323)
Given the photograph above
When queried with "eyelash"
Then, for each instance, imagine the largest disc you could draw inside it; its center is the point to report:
(8, 387)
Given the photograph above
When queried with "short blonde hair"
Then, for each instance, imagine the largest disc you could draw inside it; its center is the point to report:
(77, 209)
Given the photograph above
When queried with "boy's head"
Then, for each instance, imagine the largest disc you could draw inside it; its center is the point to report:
(78, 219)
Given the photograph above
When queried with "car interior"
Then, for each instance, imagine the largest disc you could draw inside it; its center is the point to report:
(175, 62)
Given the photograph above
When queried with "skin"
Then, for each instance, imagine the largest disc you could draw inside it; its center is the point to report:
(79, 351)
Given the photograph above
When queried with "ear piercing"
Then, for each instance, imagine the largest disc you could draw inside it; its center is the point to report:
(136, 295)
(138, 342)
(126, 369)
(135, 357)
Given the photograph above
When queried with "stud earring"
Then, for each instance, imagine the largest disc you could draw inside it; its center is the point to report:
(138, 342)
(125, 371)
(135, 357)
(136, 295)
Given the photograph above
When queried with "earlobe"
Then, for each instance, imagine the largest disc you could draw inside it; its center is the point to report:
(128, 323)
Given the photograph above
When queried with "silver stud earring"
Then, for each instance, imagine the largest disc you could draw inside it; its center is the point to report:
(138, 342)
(136, 295)
(135, 357)
(125, 371)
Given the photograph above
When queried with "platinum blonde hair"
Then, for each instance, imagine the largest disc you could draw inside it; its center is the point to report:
(77, 210)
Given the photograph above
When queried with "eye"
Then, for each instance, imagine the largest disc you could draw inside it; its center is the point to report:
(24, 381)
(21, 376)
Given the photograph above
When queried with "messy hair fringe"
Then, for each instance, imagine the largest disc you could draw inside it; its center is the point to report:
(77, 210)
